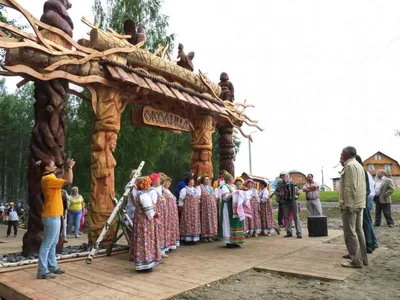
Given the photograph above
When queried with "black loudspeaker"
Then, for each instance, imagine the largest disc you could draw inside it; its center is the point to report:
(317, 226)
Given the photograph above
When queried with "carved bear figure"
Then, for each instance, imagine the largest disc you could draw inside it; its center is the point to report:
(137, 35)
(226, 86)
(55, 14)
(185, 59)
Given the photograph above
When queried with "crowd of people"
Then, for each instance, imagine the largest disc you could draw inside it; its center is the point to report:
(230, 210)
(357, 195)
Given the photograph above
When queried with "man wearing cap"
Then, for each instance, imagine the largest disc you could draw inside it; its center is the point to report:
(288, 194)
(12, 219)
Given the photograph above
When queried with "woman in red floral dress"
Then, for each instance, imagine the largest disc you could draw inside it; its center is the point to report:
(254, 223)
(266, 210)
(172, 212)
(189, 204)
(208, 210)
(161, 208)
(145, 250)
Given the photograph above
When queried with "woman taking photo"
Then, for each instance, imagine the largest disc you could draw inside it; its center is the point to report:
(75, 211)
(52, 211)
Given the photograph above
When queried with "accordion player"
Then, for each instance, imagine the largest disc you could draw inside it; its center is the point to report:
(290, 192)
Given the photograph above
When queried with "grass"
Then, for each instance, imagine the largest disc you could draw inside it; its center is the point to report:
(331, 196)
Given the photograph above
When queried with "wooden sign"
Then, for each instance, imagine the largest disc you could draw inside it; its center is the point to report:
(156, 117)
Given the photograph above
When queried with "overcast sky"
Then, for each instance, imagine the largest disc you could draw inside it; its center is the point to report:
(322, 74)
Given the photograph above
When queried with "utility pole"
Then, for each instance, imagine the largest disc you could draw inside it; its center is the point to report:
(251, 168)
(323, 184)
(250, 163)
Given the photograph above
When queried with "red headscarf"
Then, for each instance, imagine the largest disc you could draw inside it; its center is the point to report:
(154, 177)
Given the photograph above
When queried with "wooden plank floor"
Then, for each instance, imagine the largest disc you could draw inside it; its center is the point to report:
(186, 268)
(14, 244)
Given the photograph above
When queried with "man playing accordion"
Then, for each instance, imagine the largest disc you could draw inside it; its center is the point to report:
(288, 193)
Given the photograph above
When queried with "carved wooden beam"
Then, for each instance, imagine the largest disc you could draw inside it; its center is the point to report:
(18, 32)
(23, 70)
(101, 40)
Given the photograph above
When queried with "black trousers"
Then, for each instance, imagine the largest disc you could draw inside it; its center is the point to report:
(13, 224)
(386, 209)
(280, 215)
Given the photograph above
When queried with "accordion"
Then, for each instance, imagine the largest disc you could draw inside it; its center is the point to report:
(289, 192)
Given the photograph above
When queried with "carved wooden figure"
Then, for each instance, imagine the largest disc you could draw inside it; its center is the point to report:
(108, 110)
(137, 35)
(226, 149)
(228, 91)
(185, 59)
(202, 129)
(55, 14)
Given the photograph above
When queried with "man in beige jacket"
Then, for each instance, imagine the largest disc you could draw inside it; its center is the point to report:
(352, 197)
(384, 188)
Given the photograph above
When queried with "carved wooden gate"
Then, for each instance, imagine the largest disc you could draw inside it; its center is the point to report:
(116, 72)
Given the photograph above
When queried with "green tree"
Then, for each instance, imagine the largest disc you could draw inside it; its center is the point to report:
(146, 12)
(16, 120)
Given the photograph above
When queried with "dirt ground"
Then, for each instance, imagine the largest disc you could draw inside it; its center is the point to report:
(380, 280)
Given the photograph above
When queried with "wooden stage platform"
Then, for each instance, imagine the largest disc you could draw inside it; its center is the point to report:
(187, 268)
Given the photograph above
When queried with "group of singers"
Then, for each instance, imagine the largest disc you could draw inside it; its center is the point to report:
(197, 211)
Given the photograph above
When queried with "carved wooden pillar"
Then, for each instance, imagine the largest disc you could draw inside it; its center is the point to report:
(202, 129)
(108, 109)
(226, 149)
(226, 146)
(47, 141)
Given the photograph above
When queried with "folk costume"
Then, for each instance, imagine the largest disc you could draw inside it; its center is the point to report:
(266, 212)
(161, 208)
(189, 202)
(231, 227)
(239, 185)
(253, 223)
(172, 218)
(208, 211)
(145, 247)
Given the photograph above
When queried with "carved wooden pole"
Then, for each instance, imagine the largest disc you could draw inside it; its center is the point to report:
(226, 146)
(226, 149)
(202, 129)
(48, 140)
(104, 140)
